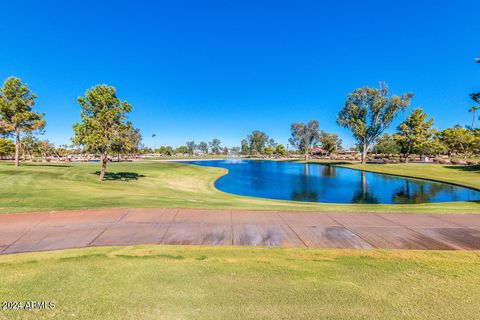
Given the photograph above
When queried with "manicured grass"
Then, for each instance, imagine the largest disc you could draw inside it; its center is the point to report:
(44, 187)
(173, 282)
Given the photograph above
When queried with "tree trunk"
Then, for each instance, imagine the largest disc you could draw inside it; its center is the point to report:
(17, 147)
(364, 153)
(103, 165)
(306, 154)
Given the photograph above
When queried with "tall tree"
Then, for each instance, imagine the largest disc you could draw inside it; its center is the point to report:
(16, 111)
(414, 133)
(190, 147)
(153, 137)
(369, 111)
(476, 96)
(103, 116)
(473, 109)
(330, 142)
(458, 140)
(245, 149)
(280, 150)
(305, 136)
(215, 145)
(257, 141)
(203, 147)
(182, 150)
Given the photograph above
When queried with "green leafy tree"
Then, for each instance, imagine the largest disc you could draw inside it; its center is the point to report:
(305, 136)
(16, 112)
(413, 133)
(245, 149)
(103, 117)
(271, 143)
(190, 147)
(203, 147)
(27, 145)
(269, 151)
(257, 141)
(182, 150)
(458, 140)
(433, 147)
(330, 142)
(235, 150)
(165, 150)
(386, 145)
(280, 150)
(215, 145)
(126, 140)
(63, 150)
(7, 147)
(44, 148)
(368, 112)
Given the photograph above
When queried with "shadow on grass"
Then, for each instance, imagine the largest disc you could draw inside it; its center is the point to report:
(475, 168)
(37, 164)
(122, 176)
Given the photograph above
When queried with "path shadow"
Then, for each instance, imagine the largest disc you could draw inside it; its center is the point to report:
(122, 176)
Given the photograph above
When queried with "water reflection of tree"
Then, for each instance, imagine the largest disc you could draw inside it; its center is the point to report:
(362, 195)
(305, 193)
(419, 191)
(329, 171)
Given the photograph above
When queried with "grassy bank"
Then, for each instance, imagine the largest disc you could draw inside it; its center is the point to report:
(44, 187)
(172, 282)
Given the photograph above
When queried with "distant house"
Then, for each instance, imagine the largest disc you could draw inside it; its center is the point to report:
(317, 151)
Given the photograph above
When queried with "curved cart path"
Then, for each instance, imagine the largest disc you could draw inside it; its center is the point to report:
(111, 227)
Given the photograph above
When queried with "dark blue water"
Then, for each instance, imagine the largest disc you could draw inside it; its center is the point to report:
(320, 183)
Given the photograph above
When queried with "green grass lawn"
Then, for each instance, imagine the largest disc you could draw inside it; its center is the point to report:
(44, 187)
(174, 282)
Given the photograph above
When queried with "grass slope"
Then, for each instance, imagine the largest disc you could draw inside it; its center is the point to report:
(42, 187)
(172, 282)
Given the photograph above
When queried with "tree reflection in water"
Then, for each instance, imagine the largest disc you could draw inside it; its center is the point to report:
(329, 171)
(362, 195)
(419, 191)
(305, 194)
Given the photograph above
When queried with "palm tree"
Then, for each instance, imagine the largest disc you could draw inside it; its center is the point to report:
(474, 110)
(153, 137)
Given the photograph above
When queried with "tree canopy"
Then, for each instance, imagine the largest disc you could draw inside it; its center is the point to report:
(330, 142)
(369, 111)
(16, 112)
(414, 133)
(459, 140)
(103, 119)
(257, 141)
(305, 136)
(215, 145)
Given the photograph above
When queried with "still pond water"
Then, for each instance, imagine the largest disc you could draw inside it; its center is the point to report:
(320, 183)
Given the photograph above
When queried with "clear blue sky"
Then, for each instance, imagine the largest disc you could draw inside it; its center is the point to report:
(204, 69)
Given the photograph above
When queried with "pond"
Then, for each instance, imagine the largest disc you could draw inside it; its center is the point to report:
(322, 183)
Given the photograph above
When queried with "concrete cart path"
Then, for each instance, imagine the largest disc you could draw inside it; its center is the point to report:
(112, 227)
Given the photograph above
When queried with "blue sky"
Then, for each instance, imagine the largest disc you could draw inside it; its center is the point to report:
(204, 69)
